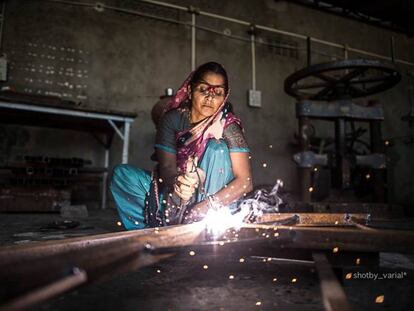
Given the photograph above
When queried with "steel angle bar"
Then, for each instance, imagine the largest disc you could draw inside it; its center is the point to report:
(328, 238)
(333, 219)
(333, 295)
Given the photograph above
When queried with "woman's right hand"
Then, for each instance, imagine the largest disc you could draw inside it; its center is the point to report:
(185, 186)
(187, 183)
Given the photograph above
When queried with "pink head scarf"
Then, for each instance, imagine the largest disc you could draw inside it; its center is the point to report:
(193, 142)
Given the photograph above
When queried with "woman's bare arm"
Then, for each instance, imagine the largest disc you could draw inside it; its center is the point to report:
(241, 184)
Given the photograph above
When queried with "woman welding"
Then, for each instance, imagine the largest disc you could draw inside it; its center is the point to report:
(202, 156)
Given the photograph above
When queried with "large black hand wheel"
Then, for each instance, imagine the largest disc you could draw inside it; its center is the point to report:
(343, 79)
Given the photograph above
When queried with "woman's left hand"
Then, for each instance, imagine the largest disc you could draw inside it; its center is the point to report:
(197, 213)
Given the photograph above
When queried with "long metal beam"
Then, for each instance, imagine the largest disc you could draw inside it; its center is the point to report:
(150, 238)
(332, 219)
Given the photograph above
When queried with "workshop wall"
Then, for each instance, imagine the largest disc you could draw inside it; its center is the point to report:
(109, 59)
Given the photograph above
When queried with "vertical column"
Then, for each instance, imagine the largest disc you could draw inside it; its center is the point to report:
(193, 41)
(305, 181)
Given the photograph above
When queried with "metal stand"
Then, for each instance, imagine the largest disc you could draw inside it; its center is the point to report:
(76, 118)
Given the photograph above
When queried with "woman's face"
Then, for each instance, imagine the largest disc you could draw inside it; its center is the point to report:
(207, 96)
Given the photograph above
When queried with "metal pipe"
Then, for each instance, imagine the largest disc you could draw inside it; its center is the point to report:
(286, 260)
(116, 129)
(225, 18)
(126, 143)
(282, 32)
(253, 48)
(167, 5)
(328, 43)
(370, 54)
(241, 22)
(92, 5)
(51, 290)
(105, 179)
(305, 177)
(346, 48)
(193, 41)
(275, 30)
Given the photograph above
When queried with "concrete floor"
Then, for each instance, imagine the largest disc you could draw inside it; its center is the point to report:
(22, 228)
(181, 282)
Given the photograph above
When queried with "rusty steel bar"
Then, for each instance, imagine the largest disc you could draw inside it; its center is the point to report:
(328, 238)
(333, 294)
(332, 219)
(157, 237)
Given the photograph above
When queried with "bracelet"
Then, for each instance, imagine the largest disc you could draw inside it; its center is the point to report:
(213, 201)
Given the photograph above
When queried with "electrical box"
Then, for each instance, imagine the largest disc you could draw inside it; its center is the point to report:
(255, 98)
(3, 68)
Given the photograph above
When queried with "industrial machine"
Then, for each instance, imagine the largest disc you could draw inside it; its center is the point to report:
(339, 92)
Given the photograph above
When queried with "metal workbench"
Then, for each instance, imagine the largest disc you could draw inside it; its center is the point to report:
(42, 111)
